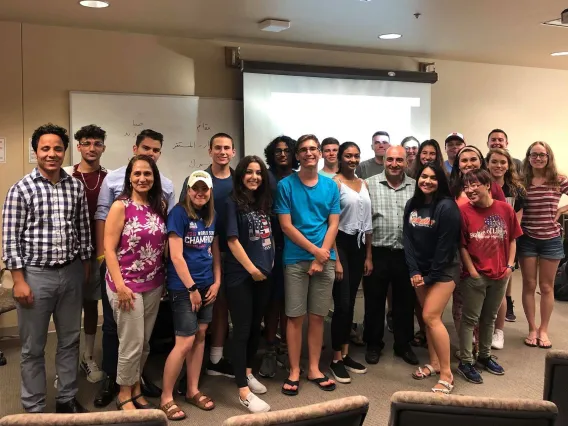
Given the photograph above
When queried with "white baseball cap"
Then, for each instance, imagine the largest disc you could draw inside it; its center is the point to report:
(455, 136)
(200, 176)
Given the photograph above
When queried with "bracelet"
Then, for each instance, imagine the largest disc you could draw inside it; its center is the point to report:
(101, 257)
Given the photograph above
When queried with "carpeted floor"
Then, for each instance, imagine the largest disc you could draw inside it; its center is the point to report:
(524, 375)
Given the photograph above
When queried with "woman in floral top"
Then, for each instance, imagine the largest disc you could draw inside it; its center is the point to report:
(134, 241)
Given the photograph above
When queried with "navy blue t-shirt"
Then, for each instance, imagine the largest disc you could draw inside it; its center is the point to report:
(197, 249)
(255, 235)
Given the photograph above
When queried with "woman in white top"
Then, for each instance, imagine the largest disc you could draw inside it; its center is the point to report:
(353, 246)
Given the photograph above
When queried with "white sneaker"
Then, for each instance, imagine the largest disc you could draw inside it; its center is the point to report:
(498, 339)
(91, 369)
(254, 404)
(255, 386)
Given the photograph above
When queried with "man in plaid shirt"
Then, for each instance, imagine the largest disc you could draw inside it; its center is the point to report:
(389, 192)
(46, 243)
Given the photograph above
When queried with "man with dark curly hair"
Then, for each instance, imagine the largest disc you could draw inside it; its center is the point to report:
(46, 241)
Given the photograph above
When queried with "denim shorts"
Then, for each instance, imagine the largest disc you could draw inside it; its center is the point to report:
(186, 322)
(547, 249)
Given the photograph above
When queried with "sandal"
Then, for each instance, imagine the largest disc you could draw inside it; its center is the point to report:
(291, 392)
(529, 340)
(170, 411)
(544, 343)
(329, 387)
(419, 340)
(147, 406)
(421, 374)
(200, 403)
(448, 387)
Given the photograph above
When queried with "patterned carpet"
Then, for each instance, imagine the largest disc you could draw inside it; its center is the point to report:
(524, 375)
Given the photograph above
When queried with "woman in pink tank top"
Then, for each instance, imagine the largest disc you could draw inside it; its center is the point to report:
(134, 241)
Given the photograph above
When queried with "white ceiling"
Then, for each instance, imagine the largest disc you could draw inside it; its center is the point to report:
(493, 31)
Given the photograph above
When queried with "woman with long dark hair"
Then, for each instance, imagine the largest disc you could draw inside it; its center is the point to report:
(353, 243)
(504, 172)
(428, 152)
(134, 241)
(431, 231)
(194, 277)
(540, 247)
(247, 271)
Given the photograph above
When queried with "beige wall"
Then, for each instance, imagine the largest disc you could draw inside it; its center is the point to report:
(41, 64)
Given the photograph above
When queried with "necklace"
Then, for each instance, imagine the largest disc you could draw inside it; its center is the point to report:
(85, 181)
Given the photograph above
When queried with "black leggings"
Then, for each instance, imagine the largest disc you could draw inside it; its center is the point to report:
(247, 302)
(352, 258)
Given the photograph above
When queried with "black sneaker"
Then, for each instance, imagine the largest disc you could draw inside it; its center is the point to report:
(339, 372)
(222, 368)
(491, 365)
(353, 366)
(470, 373)
(389, 321)
(268, 364)
(510, 315)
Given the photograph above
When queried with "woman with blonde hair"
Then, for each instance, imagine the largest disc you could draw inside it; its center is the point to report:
(504, 172)
(540, 248)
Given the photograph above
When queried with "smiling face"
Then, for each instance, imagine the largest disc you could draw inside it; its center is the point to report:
(428, 182)
(380, 145)
(141, 177)
(253, 177)
(469, 160)
(222, 151)
(411, 151)
(395, 161)
(476, 192)
(50, 153)
(498, 165)
(538, 157)
(497, 140)
(199, 194)
(350, 159)
(329, 153)
(454, 146)
(428, 154)
(282, 154)
(308, 153)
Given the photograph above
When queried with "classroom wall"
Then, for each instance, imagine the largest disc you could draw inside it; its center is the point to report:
(41, 64)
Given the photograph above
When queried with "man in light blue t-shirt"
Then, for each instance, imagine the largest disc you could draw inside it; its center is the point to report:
(307, 205)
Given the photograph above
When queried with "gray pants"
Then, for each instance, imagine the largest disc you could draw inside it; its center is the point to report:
(57, 292)
(134, 331)
(481, 300)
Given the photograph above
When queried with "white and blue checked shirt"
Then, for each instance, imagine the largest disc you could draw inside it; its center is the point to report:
(387, 209)
(45, 224)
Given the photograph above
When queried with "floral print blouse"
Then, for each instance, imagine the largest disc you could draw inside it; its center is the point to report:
(141, 248)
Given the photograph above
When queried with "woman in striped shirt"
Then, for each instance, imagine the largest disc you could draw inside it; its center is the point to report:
(540, 248)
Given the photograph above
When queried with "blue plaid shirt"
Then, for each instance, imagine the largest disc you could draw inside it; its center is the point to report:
(45, 224)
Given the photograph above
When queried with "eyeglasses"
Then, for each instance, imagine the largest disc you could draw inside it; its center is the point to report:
(97, 144)
(472, 186)
(282, 151)
(310, 149)
(535, 155)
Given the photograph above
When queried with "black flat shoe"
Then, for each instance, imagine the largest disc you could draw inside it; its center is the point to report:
(106, 393)
(372, 356)
(149, 389)
(407, 356)
(147, 406)
(70, 407)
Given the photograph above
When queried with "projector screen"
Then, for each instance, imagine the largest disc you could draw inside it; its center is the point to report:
(348, 110)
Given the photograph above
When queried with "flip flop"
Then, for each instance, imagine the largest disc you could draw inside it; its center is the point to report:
(529, 339)
(291, 392)
(542, 345)
(320, 380)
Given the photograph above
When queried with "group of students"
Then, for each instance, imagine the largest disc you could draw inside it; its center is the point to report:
(274, 244)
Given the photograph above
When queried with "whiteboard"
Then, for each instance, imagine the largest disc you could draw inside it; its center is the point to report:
(187, 123)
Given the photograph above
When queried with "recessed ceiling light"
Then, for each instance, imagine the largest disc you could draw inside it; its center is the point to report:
(559, 54)
(97, 4)
(390, 36)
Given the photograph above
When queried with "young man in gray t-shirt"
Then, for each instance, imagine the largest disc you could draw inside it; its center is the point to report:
(375, 165)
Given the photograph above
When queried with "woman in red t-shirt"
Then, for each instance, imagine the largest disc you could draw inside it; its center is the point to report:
(540, 248)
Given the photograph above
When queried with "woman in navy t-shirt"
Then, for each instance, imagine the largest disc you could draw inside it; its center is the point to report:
(194, 277)
(248, 265)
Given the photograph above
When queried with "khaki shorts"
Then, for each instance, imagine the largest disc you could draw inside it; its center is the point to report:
(93, 289)
(304, 293)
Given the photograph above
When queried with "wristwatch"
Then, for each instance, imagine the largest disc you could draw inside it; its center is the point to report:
(511, 267)
(192, 288)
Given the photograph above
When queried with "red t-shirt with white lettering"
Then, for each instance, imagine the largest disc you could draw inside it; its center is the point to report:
(486, 234)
